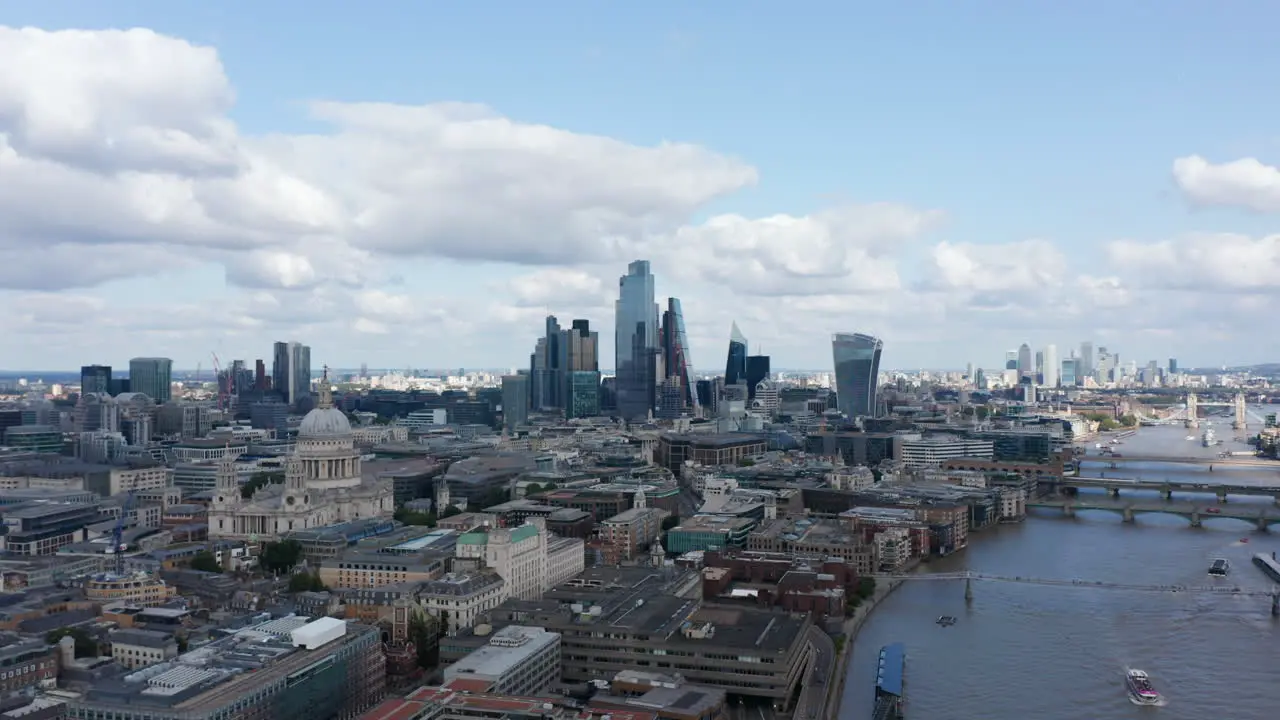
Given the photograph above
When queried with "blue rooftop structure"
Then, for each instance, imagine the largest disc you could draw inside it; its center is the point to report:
(889, 673)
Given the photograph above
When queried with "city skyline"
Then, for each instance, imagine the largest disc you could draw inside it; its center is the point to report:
(218, 187)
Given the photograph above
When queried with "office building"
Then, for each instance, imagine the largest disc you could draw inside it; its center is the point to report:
(583, 396)
(95, 379)
(1052, 367)
(1085, 366)
(545, 367)
(515, 400)
(579, 352)
(1069, 368)
(518, 660)
(285, 669)
(735, 369)
(1011, 360)
(636, 343)
(757, 372)
(152, 377)
(676, 362)
(291, 371)
(857, 371)
(1025, 368)
(1173, 366)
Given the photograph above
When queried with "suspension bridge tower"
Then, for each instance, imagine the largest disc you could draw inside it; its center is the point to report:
(1193, 411)
(1241, 420)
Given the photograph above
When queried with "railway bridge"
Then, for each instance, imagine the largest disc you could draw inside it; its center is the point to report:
(1261, 516)
(1166, 488)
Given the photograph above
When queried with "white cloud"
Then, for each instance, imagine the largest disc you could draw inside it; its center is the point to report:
(1245, 183)
(391, 233)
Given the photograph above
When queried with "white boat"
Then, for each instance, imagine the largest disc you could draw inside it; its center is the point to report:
(1209, 439)
(1191, 437)
(1140, 690)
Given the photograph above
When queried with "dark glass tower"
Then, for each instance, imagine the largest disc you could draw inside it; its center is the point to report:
(735, 370)
(636, 342)
(675, 352)
(95, 379)
(857, 365)
(757, 370)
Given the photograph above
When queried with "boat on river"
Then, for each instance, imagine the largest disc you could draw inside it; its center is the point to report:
(1140, 689)
(1220, 567)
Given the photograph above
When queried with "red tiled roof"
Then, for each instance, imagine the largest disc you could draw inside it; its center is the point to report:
(395, 710)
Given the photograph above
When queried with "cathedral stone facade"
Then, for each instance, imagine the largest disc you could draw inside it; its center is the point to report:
(323, 485)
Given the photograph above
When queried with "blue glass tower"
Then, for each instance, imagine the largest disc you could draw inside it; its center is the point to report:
(636, 342)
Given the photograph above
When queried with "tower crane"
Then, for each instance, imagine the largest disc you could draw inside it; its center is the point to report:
(118, 545)
(221, 381)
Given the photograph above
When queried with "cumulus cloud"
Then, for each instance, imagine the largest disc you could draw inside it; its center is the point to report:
(1245, 183)
(119, 160)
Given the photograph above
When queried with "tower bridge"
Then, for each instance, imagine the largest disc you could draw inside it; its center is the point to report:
(1188, 414)
(969, 577)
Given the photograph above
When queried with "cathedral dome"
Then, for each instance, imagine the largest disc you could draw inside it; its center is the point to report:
(324, 422)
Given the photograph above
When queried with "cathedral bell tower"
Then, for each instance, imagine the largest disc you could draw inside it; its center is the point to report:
(295, 484)
(443, 500)
(227, 484)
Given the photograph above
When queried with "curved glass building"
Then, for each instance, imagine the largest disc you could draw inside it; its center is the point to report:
(735, 370)
(857, 366)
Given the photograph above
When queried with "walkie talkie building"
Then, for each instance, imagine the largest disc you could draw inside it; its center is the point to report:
(857, 366)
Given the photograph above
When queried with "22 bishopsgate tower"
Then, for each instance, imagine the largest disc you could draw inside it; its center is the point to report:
(636, 339)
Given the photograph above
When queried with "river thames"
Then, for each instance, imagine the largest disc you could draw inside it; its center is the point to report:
(1059, 653)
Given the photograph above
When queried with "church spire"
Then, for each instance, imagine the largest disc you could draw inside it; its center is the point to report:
(326, 391)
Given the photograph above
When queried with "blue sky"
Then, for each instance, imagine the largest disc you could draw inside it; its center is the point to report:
(1045, 120)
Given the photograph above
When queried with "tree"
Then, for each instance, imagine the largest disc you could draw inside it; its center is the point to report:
(866, 587)
(746, 462)
(205, 561)
(496, 496)
(409, 517)
(670, 521)
(86, 645)
(450, 512)
(259, 481)
(280, 557)
(982, 412)
(305, 582)
(426, 639)
(532, 489)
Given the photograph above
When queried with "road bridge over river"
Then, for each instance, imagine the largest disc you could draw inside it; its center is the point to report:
(1116, 461)
(969, 577)
(1118, 486)
(1261, 516)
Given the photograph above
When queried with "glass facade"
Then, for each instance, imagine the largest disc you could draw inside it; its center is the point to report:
(735, 370)
(583, 395)
(515, 400)
(675, 346)
(857, 366)
(636, 342)
(152, 377)
(757, 371)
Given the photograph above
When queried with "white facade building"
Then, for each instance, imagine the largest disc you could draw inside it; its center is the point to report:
(529, 558)
(933, 451)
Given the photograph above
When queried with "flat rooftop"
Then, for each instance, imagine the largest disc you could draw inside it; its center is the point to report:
(508, 648)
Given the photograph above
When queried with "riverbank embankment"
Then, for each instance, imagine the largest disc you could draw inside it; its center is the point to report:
(852, 625)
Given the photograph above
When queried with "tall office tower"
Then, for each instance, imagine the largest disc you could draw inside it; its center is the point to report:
(515, 400)
(1052, 368)
(579, 373)
(291, 371)
(1086, 366)
(1039, 364)
(968, 371)
(1025, 367)
(757, 371)
(1011, 360)
(857, 371)
(735, 370)
(675, 354)
(636, 342)
(1173, 366)
(152, 377)
(239, 378)
(545, 369)
(95, 379)
(260, 375)
(1069, 368)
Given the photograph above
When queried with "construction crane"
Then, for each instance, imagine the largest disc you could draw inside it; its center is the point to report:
(118, 546)
(222, 382)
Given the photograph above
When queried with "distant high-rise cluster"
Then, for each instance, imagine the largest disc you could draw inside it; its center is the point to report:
(1086, 366)
(564, 374)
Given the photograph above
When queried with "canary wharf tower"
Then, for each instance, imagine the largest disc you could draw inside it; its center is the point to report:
(857, 365)
(636, 342)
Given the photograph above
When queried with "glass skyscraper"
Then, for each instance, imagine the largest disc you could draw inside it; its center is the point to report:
(152, 377)
(636, 342)
(735, 370)
(515, 400)
(675, 352)
(857, 365)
